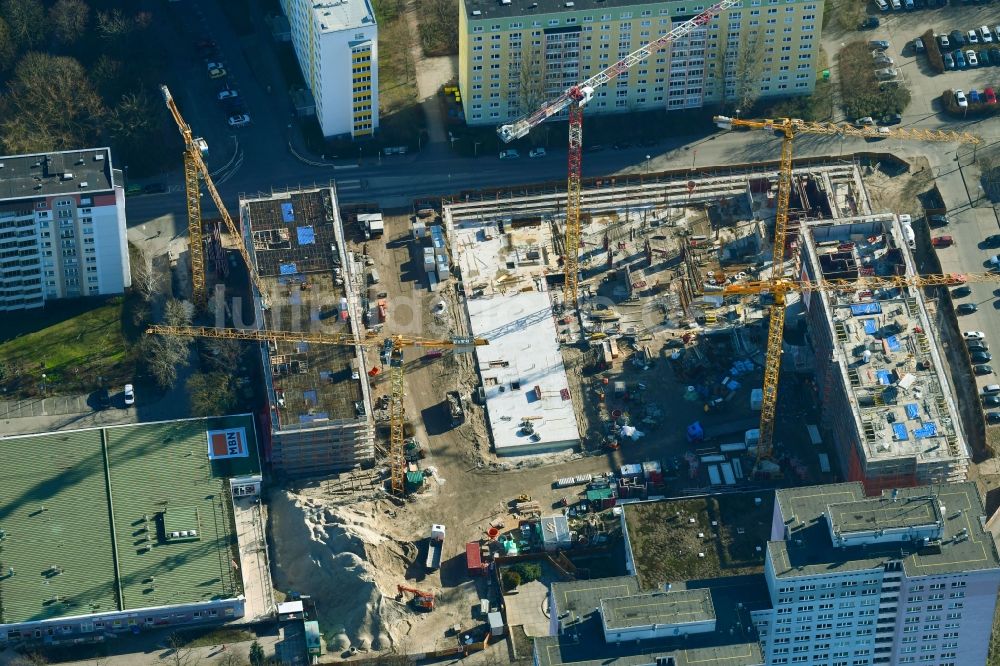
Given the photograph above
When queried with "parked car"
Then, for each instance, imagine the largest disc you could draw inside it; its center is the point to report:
(974, 96)
(973, 335)
(154, 188)
(216, 73)
(881, 59)
(982, 369)
(509, 154)
(981, 357)
(949, 62)
(961, 292)
(993, 418)
(878, 44)
(938, 220)
(214, 65)
(957, 38)
(960, 99)
(869, 23)
(228, 93)
(989, 96)
(985, 36)
(966, 308)
(882, 5)
(867, 121)
(133, 189)
(891, 119)
(239, 120)
(103, 398)
(977, 345)
(943, 41)
(959, 59)
(971, 58)
(918, 45)
(942, 241)
(984, 58)
(972, 37)
(991, 400)
(991, 389)
(992, 241)
(129, 395)
(536, 152)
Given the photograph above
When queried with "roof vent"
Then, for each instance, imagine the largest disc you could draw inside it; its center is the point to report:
(1, 165)
(476, 12)
(504, 2)
(99, 157)
(84, 184)
(66, 176)
(570, 4)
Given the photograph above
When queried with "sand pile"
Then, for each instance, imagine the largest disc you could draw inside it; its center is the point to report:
(339, 556)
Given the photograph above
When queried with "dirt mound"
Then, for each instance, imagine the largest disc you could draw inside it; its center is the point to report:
(340, 557)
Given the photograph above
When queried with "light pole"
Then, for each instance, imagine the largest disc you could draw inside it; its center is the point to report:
(647, 164)
(45, 388)
(475, 148)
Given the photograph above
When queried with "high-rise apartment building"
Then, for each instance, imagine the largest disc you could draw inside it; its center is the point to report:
(336, 42)
(907, 577)
(515, 54)
(62, 228)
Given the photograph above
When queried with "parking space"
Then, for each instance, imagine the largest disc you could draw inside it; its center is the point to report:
(900, 28)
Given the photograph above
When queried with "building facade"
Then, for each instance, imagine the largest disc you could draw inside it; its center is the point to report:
(908, 577)
(516, 54)
(62, 228)
(336, 43)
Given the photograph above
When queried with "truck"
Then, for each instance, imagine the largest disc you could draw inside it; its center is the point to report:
(371, 224)
(435, 544)
(455, 411)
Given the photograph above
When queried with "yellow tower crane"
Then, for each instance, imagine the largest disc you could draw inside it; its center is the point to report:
(392, 349)
(788, 129)
(194, 166)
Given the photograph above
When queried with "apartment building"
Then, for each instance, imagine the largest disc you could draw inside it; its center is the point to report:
(62, 228)
(336, 43)
(515, 54)
(906, 577)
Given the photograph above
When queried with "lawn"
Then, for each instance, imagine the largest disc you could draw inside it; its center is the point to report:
(72, 343)
(667, 547)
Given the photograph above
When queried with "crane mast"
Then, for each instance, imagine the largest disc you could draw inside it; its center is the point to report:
(778, 286)
(194, 166)
(575, 98)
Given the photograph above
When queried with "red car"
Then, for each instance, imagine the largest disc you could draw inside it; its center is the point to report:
(942, 241)
(991, 97)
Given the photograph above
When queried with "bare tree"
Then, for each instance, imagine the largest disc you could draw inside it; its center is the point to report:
(749, 65)
(530, 68)
(69, 19)
(145, 280)
(178, 313)
(179, 654)
(26, 19)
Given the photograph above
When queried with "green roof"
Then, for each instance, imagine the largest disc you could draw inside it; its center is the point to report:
(83, 514)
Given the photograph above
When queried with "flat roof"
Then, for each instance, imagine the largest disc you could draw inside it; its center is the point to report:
(305, 269)
(964, 545)
(680, 607)
(877, 514)
(336, 15)
(522, 367)
(883, 340)
(492, 9)
(84, 512)
(581, 641)
(43, 174)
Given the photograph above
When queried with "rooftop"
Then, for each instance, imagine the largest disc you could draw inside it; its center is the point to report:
(68, 558)
(336, 15)
(885, 347)
(962, 546)
(581, 641)
(678, 607)
(45, 174)
(305, 269)
(522, 367)
(493, 9)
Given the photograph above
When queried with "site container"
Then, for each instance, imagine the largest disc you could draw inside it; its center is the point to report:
(653, 471)
(727, 474)
(474, 560)
(713, 475)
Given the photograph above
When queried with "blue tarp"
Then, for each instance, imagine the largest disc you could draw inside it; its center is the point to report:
(859, 309)
(883, 377)
(306, 235)
(310, 396)
(309, 418)
(287, 269)
(295, 296)
(912, 410)
(893, 342)
(287, 212)
(899, 430)
(926, 430)
(870, 326)
(302, 347)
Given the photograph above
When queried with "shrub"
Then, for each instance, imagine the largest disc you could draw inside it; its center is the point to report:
(951, 107)
(933, 51)
(510, 579)
(527, 571)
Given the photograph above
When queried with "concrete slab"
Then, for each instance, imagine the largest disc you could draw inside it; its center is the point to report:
(527, 608)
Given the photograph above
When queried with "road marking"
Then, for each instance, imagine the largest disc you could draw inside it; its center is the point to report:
(348, 184)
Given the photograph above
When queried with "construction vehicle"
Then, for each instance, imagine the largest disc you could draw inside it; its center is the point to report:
(422, 601)
(455, 411)
(394, 345)
(778, 286)
(574, 99)
(195, 150)
(435, 544)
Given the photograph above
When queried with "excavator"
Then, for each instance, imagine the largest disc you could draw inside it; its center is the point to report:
(421, 601)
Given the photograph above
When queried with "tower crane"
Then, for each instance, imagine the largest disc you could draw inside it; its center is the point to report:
(575, 98)
(194, 166)
(391, 348)
(778, 286)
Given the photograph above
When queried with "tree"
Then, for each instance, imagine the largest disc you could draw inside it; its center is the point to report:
(749, 65)
(136, 127)
(26, 19)
(179, 654)
(510, 580)
(257, 657)
(178, 312)
(68, 20)
(211, 393)
(51, 106)
(530, 79)
(223, 354)
(162, 355)
(8, 47)
(145, 280)
(438, 26)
